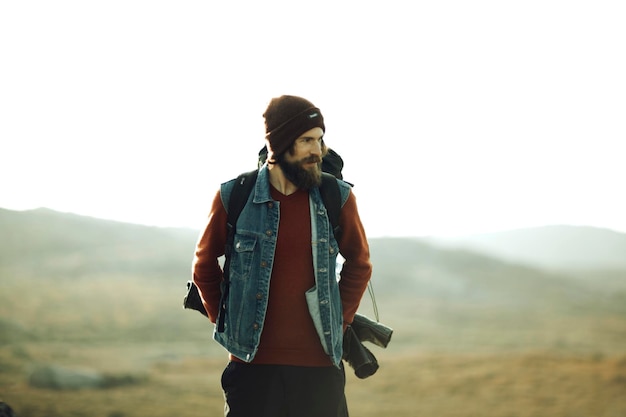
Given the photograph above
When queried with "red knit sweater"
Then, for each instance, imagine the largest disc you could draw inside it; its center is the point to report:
(288, 337)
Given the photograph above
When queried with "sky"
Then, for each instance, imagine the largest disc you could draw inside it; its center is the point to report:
(452, 117)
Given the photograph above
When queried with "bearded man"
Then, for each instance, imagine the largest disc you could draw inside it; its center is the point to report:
(286, 312)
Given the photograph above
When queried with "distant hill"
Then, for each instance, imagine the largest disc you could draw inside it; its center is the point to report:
(412, 267)
(556, 247)
(44, 242)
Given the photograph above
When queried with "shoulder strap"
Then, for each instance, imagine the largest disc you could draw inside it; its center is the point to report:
(331, 196)
(239, 196)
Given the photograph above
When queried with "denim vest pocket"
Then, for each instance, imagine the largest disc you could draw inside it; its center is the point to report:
(242, 256)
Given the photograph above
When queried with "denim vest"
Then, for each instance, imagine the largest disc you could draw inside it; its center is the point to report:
(251, 267)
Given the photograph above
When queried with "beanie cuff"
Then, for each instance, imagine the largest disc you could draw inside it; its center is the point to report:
(281, 137)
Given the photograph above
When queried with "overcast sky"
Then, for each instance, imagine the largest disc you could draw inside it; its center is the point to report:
(453, 117)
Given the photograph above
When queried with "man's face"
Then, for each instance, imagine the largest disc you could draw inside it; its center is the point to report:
(302, 163)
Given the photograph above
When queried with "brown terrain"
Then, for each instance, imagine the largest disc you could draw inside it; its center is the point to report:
(100, 303)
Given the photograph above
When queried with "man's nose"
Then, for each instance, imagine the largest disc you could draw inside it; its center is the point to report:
(316, 149)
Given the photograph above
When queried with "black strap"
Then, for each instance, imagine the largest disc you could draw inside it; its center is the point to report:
(238, 198)
(331, 196)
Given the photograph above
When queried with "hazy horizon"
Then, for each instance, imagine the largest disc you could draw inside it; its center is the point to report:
(198, 227)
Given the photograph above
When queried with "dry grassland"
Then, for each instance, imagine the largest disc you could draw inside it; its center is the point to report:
(536, 365)
(539, 384)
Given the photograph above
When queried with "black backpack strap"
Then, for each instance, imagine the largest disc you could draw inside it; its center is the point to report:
(239, 196)
(237, 201)
(331, 196)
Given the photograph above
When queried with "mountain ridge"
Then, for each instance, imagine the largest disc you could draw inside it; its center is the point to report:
(43, 242)
(560, 247)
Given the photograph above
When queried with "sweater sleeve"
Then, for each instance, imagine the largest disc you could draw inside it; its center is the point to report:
(206, 269)
(357, 268)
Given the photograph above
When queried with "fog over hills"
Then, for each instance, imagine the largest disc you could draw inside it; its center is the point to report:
(26, 234)
(557, 247)
(49, 243)
(44, 244)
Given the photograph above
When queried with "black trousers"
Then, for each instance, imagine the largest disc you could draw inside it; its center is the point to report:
(283, 391)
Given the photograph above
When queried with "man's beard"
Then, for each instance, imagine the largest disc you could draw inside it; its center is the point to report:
(298, 175)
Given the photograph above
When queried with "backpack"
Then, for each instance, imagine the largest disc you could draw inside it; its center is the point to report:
(331, 196)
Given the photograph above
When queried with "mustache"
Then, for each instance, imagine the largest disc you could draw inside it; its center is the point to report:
(311, 159)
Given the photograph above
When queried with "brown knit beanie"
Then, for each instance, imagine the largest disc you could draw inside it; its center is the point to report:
(288, 117)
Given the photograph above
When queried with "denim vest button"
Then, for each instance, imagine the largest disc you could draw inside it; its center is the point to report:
(268, 232)
(270, 205)
(259, 296)
(263, 264)
(255, 326)
(331, 250)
